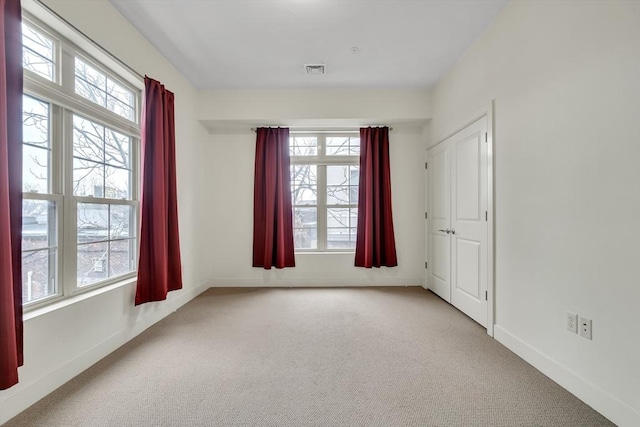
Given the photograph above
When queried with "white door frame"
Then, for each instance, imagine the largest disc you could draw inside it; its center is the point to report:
(489, 114)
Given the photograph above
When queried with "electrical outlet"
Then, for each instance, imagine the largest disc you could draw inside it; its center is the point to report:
(585, 327)
(572, 322)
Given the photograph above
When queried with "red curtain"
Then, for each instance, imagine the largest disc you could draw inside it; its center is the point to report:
(375, 241)
(159, 268)
(10, 192)
(272, 216)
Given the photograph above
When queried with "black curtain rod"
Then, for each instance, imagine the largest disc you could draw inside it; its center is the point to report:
(326, 131)
(96, 44)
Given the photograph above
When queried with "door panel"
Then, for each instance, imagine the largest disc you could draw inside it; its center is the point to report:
(468, 206)
(468, 267)
(440, 260)
(439, 209)
(468, 177)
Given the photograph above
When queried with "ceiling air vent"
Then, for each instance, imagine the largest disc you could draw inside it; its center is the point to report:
(315, 69)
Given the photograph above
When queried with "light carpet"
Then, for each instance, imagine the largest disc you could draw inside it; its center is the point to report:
(312, 357)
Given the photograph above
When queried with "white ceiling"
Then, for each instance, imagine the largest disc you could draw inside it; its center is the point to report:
(263, 44)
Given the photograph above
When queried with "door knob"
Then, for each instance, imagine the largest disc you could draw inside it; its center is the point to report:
(453, 231)
(446, 231)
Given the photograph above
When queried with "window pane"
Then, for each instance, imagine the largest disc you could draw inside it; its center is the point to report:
(305, 224)
(88, 139)
(343, 146)
(88, 178)
(121, 258)
(90, 83)
(101, 165)
(119, 108)
(303, 146)
(38, 275)
(353, 195)
(121, 219)
(337, 195)
(37, 52)
(35, 149)
(93, 222)
(117, 149)
(117, 183)
(354, 145)
(39, 249)
(338, 175)
(100, 255)
(354, 175)
(91, 92)
(120, 93)
(35, 122)
(38, 224)
(342, 185)
(337, 217)
(338, 146)
(305, 217)
(120, 100)
(304, 186)
(35, 169)
(37, 42)
(305, 238)
(341, 228)
(93, 260)
(339, 238)
(97, 87)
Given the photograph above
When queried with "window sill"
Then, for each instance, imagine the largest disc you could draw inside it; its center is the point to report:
(40, 311)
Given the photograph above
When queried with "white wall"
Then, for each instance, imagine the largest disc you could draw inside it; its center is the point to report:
(228, 201)
(61, 343)
(565, 79)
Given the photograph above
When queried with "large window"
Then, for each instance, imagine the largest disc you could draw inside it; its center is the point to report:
(324, 190)
(80, 170)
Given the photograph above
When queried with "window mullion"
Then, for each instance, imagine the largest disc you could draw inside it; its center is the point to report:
(322, 196)
(134, 219)
(69, 227)
(56, 188)
(67, 67)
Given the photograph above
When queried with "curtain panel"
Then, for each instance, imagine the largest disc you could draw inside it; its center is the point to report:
(375, 240)
(11, 349)
(272, 217)
(159, 267)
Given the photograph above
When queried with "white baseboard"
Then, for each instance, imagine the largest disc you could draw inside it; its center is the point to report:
(31, 393)
(310, 282)
(600, 400)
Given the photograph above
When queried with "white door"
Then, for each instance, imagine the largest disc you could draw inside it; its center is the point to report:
(469, 222)
(457, 177)
(438, 221)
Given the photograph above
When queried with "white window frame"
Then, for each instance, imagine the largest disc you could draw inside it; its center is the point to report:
(321, 161)
(64, 103)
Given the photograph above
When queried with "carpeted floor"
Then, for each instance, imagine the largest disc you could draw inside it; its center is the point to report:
(324, 357)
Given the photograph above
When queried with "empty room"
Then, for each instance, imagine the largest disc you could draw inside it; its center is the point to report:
(320, 212)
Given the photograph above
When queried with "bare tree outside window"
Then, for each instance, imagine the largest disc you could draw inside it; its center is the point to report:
(38, 53)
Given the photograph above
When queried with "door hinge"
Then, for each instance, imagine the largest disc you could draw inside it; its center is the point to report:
(426, 265)
(486, 295)
(426, 165)
(486, 216)
(486, 137)
(426, 215)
